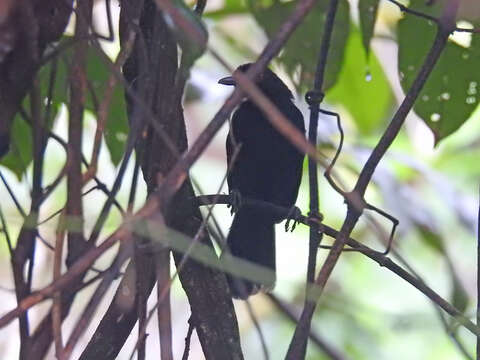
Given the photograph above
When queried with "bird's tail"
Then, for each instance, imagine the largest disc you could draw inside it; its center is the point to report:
(252, 238)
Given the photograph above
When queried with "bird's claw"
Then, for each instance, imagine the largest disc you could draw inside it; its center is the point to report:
(293, 215)
(236, 201)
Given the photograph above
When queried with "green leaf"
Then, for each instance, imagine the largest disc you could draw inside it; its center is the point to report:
(300, 53)
(117, 128)
(20, 155)
(368, 10)
(21, 143)
(450, 94)
(359, 84)
(230, 7)
(61, 88)
(193, 43)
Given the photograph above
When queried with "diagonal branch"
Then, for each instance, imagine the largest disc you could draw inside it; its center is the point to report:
(353, 213)
(123, 235)
(177, 176)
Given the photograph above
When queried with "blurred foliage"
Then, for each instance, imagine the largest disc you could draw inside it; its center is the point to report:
(98, 72)
(21, 146)
(300, 54)
(425, 190)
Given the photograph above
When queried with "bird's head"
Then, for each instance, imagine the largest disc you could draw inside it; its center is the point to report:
(267, 81)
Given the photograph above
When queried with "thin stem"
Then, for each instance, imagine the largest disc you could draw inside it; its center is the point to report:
(5, 231)
(478, 279)
(329, 350)
(377, 256)
(408, 10)
(298, 345)
(123, 234)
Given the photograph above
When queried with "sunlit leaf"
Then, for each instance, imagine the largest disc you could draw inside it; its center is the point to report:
(300, 55)
(230, 7)
(451, 93)
(362, 88)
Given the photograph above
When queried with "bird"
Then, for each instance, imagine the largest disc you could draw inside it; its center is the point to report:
(263, 165)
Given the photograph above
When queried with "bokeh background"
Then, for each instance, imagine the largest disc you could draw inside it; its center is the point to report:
(366, 311)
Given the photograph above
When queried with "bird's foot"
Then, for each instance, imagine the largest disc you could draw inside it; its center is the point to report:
(294, 215)
(236, 201)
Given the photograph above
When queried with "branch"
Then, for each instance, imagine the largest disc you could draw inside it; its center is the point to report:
(64, 281)
(298, 346)
(117, 322)
(164, 313)
(376, 256)
(356, 198)
(178, 174)
(327, 348)
(407, 10)
(123, 235)
(103, 108)
(478, 279)
(124, 253)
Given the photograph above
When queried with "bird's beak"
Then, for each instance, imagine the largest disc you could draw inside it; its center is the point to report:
(229, 80)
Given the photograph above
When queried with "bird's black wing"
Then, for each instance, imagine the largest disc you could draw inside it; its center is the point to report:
(289, 164)
(249, 173)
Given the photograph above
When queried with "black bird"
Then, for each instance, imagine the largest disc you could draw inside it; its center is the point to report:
(267, 167)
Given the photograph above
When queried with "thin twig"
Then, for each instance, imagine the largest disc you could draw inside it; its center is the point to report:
(13, 197)
(6, 232)
(327, 348)
(257, 326)
(200, 6)
(473, 31)
(164, 311)
(298, 346)
(188, 338)
(178, 174)
(74, 207)
(104, 105)
(408, 10)
(123, 234)
(124, 253)
(377, 256)
(57, 296)
(353, 214)
(478, 279)
(140, 288)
